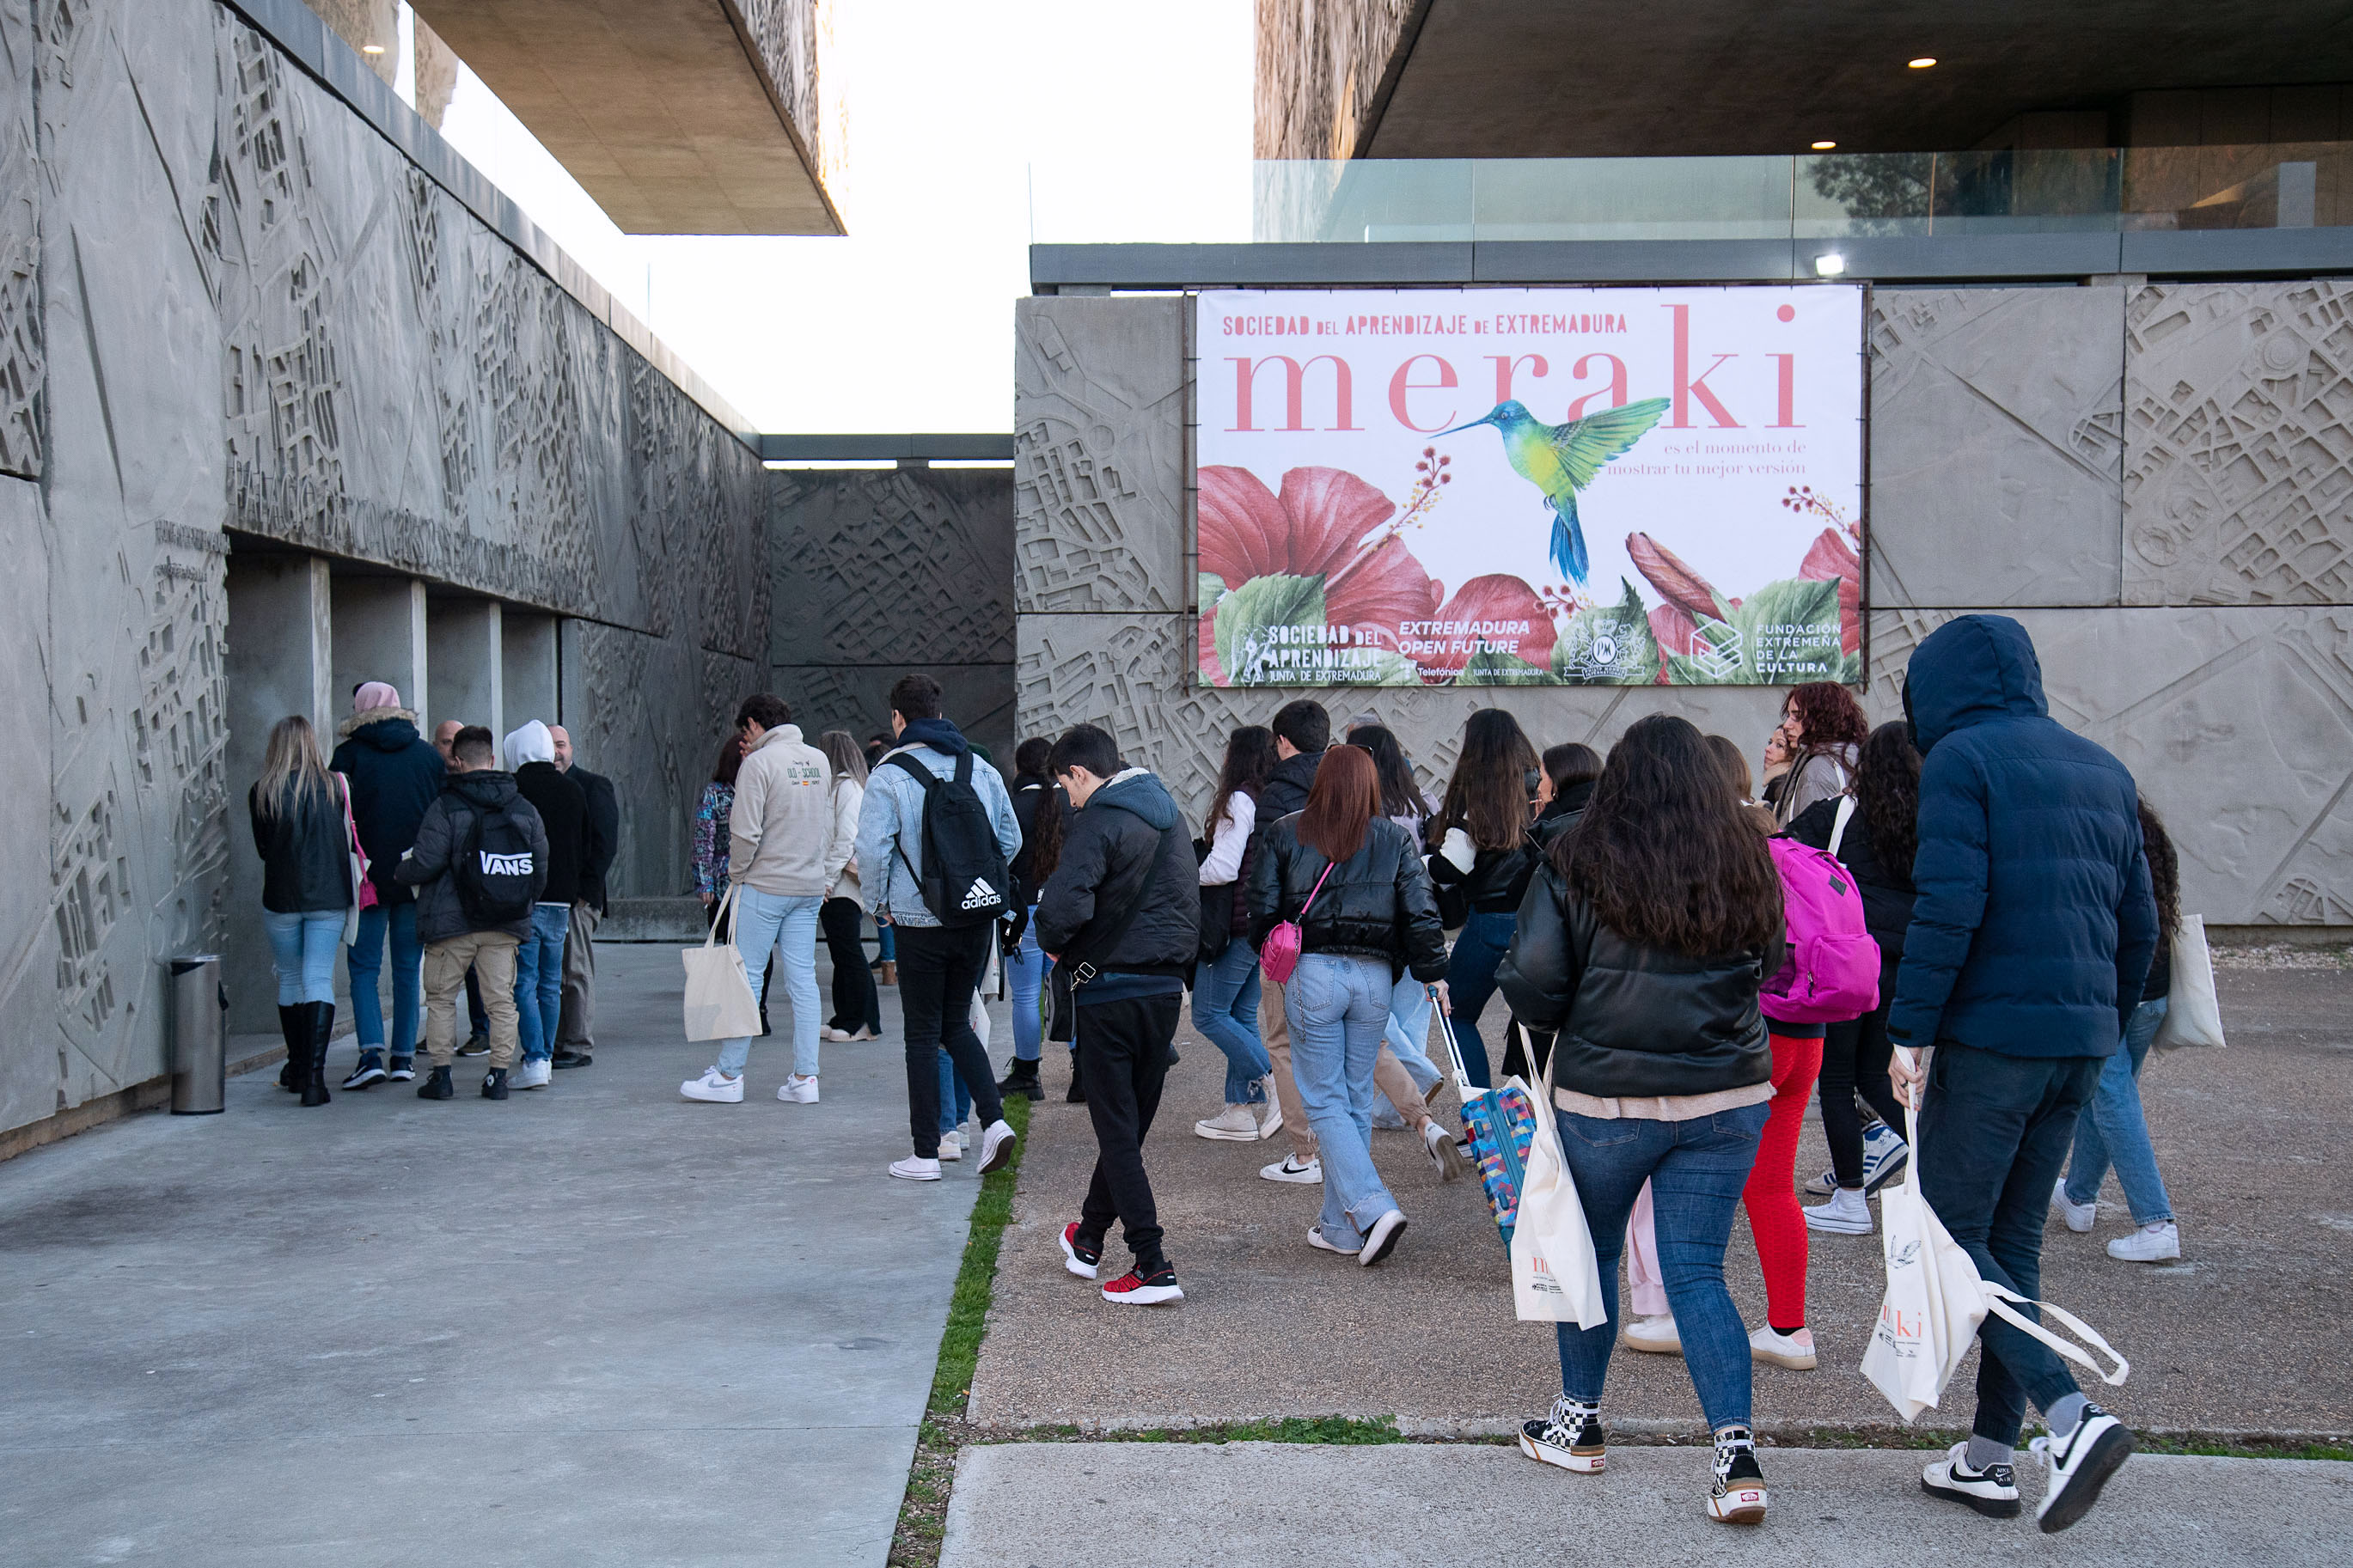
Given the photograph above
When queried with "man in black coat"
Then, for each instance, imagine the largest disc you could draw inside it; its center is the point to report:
(575, 1036)
(1121, 917)
(395, 773)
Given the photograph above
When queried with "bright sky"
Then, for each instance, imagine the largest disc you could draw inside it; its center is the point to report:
(1140, 129)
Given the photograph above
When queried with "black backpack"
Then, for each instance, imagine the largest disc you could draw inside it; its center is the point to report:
(498, 876)
(965, 881)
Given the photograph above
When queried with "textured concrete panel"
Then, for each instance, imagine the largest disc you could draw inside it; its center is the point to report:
(20, 216)
(1133, 676)
(634, 707)
(2238, 468)
(2236, 723)
(857, 698)
(1995, 461)
(1100, 400)
(909, 566)
(29, 958)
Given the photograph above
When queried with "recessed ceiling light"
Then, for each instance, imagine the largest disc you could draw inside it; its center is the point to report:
(1921, 63)
(371, 49)
(1824, 146)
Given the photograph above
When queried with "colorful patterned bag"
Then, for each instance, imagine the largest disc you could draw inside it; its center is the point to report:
(1500, 1122)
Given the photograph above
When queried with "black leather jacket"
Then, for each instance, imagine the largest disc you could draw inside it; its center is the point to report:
(1376, 904)
(1631, 1020)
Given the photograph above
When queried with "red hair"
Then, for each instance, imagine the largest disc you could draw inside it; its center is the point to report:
(1346, 797)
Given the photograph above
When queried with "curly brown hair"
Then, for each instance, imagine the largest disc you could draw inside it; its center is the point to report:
(1664, 854)
(1887, 792)
(2164, 871)
(1828, 715)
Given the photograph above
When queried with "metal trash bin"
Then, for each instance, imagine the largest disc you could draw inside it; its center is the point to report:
(199, 1019)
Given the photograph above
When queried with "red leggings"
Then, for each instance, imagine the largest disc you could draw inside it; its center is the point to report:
(1771, 1195)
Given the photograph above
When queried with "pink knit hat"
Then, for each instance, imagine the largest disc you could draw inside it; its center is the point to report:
(373, 695)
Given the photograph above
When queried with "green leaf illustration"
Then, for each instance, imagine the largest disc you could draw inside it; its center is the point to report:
(1209, 588)
(1784, 633)
(1609, 646)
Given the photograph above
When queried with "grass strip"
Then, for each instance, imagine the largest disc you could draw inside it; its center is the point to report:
(924, 1511)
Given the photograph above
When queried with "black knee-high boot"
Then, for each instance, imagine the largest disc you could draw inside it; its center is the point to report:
(294, 1023)
(322, 1019)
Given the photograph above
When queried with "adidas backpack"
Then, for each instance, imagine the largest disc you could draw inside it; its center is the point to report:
(1832, 973)
(498, 877)
(965, 881)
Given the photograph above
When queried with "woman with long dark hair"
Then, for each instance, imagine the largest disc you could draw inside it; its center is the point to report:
(1570, 772)
(857, 1005)
(298, 808)
(1350, 880)
(1225, 987)
(2114, 1128)
(1645, 937)
(1403, 803)
(1482, 855)
(1821, 727)
(1875, 843)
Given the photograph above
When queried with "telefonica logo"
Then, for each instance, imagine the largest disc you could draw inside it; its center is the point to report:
(505, 864)
(980, 895)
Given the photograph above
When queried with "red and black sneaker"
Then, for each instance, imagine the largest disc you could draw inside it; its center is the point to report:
(1145, 1290)
(1080, 1255)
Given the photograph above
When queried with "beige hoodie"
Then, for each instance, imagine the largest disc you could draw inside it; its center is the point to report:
(781, 837)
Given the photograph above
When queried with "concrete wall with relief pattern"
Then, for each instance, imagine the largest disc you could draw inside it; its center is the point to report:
(2156, 480)
(227, 303)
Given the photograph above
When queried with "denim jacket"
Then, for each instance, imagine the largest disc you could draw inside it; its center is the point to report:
(891, 831)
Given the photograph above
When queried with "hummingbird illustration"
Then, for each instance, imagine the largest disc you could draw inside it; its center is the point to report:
(1561, 460)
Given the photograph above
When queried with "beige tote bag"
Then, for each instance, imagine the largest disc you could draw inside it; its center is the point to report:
(719, 1005)
(2193, 1013)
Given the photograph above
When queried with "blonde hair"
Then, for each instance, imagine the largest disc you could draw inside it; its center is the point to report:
(293, 773)
(841, 749)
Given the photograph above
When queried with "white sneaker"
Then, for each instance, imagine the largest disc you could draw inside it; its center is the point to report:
(951, 1146)
(1234, 1124)
(2078, 1466)
(1283, 1170)
(995, 1146)
(1847, 1214)
(715, 1085)
(799, 1090)
(915, 1168)
(1884, 1155)
(2080, 1218)
(1443, 1151)
(2150, 1243)
(1270, 1111)
(1316, 1239)
(1656, 1335)
(1381, 1239)
(1992, 1491)
(1774, 1348)
(536, 1075)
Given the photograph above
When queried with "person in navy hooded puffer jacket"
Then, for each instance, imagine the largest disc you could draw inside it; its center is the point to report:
(2029, 943)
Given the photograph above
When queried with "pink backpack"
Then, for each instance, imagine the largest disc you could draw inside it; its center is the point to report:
(1833, 968)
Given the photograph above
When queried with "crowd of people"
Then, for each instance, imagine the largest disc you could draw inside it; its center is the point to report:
(1960, 917)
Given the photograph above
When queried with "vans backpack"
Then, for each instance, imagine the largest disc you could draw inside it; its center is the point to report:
(1832, 973)
(964, 880)
(498, 876)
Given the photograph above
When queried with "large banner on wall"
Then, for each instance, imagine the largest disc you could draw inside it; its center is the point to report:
(1530, 487)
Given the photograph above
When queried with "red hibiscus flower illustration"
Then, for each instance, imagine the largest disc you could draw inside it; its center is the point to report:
(1832, 560)
(1499, 598)
(1314, 528)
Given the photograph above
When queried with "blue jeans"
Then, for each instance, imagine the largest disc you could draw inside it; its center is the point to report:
(955, 1098)
(1337, 1007)
(1225, 1009)
(1479, 949)
(365, 960)
(788, 924)
(2114, 1128)
(1025, 977)
(303, 950)
(1696, 1168)
(886, 944)
(1994, 1130)
(539, 980)
(1408, 1032)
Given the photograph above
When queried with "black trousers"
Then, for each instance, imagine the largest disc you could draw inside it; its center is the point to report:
(1122, 1059)
(939, 971)
(856, 1003)
(1855, 1061)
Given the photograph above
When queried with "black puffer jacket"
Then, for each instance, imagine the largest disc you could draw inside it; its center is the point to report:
(1887, 892)
(441, 836)
(1117, 846)
(394, 773)
(1497, 881)
(1558, 817)
(306, 860)
(563, 807)
(1632, 1021)
(1286, 787)
(1376, 904)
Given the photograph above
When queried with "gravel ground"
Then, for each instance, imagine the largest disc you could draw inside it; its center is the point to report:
(2244, 1335)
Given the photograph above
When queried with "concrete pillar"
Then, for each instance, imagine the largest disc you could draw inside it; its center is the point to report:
(380, 634)
(527, 643)
(463, 647)
(280, 659)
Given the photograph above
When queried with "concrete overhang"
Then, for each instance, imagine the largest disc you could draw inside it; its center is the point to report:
(918, 448)
(678, 116)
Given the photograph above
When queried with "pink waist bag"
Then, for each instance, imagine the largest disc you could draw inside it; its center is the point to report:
(1280, 955)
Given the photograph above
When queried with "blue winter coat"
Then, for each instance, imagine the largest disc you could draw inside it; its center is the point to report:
(395, 773)
(2034, 925)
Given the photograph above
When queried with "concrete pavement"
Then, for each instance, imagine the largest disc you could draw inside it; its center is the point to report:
(594, 1324)
(1044, 1505)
